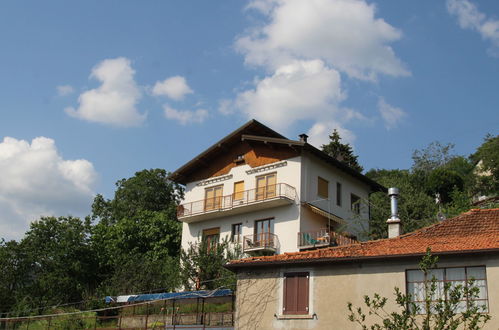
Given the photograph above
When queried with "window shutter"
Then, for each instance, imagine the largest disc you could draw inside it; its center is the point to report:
(295, 300)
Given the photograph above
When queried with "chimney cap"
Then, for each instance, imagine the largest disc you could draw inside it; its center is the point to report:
(303, 137)
(393, 191)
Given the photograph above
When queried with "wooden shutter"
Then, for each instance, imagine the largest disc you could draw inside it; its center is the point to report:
(322, 187)
(271, 185)
(238, 190)
(295, 300)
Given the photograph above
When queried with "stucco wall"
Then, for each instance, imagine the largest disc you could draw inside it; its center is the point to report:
(259, 292)
(312, 168)
(286, 218)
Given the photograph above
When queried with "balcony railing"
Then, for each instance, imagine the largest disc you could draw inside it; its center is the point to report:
(240, 198)
(322, 237)
(260, 242)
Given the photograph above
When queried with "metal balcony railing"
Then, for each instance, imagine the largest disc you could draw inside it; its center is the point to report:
(241, 198)
(322, 237)
(260, 242)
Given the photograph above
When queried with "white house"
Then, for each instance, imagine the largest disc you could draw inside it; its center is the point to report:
(271, 195)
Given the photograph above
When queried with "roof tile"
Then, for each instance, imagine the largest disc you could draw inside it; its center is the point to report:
(475, 230)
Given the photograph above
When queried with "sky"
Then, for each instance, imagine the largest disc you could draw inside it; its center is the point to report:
(93, 91)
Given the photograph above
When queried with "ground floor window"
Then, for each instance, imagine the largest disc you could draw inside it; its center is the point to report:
(454, 276)
(296, 287)
(211, 237)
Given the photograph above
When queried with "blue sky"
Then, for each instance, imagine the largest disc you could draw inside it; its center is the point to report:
(94, 91)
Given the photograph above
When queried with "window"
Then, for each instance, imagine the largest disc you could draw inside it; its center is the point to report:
(213, 198)
(210, 237)
(355, 203)
(266, 186)
(455, 275)
(239, 190)
(263, 232)
(322, 187)
(295, 300)
(338, 193)
(235, 236)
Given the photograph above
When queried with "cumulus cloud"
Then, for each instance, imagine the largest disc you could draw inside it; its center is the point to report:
(114, 101)
(37, 181)
(298, 91)
(64, 90)
(185, 117)
(391, 115)
(175, 88)
(469, 17)
(320, 131)
(343, 33)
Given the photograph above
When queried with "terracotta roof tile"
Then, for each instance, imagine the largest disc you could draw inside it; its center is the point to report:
(474, 231)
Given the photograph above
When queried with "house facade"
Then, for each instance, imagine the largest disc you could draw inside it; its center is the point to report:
(311, 289)
(271, 195)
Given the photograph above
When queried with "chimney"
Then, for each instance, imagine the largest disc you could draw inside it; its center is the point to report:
(394, 221)
(303, 137)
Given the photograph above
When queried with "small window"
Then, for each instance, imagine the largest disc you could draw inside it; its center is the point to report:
(355, 203)
(235, 236)
(211, 236)
(322, 187)
(295, 300)
(338, 193)
(415, 285)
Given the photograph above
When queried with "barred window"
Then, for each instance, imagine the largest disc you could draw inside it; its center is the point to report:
(453, 275)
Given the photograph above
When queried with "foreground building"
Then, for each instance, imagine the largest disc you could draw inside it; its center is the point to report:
(271, 195)
(311, 289)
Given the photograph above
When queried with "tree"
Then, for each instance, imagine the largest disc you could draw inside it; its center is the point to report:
(486, 159)
(138, 233)
(443, 181)
(416, 208)
(432, 157)
(59, 259)
(439, 310)
(341, 151)
(203, 265)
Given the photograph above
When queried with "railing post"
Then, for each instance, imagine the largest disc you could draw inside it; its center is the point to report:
(147, 315)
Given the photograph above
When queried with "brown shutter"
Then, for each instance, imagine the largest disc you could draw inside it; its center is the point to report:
(322, 187)
(295, 293)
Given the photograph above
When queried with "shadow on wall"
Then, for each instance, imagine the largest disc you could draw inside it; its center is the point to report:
(255, 295)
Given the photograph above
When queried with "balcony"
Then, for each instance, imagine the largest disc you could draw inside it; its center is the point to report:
(240, 202)
(263, 242)
(322, 238)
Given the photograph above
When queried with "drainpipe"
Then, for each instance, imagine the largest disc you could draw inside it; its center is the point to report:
(394, 228)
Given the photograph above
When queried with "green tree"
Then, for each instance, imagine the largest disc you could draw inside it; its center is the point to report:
(433, 156)
(341, 151)
(138, 228)
(60, 261)
(440, 313)
(416, 208)
(443, 181)
(203, 265)
(486, 158)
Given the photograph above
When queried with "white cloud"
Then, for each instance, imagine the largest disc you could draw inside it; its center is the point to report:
(298, 91)
(63, 90)
(319, 133)
(114, 101)
(469, 17)
(226, 107)
(391, 115)
(36, 180)
(343, 33)
(175, 88)
(185, 117)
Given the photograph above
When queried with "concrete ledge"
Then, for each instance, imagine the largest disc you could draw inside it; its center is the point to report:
(295, 317)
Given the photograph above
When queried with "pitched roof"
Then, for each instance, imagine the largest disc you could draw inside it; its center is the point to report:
(474, 231)
(256, 131)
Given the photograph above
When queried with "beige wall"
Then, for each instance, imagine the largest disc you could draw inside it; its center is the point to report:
(259, 292)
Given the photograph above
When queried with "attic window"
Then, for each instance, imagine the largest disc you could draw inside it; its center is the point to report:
(239, 159)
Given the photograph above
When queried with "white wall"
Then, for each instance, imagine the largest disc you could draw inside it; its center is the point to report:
(286, 218)
(312, 168)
